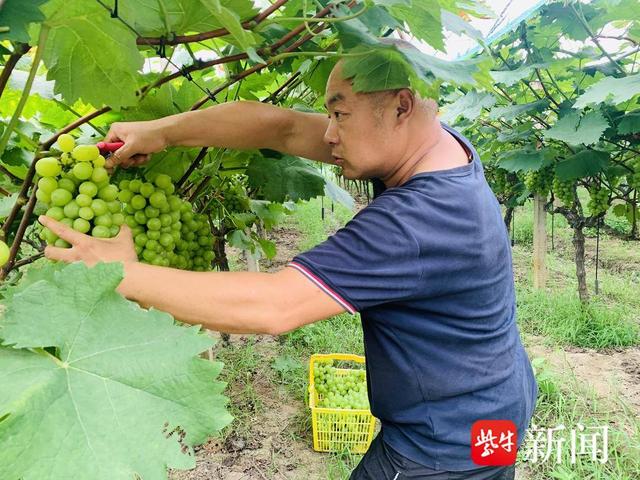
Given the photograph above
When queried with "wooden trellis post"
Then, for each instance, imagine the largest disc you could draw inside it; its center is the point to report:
(539, 242)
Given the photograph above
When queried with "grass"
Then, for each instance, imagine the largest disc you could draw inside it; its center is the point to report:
(561, 316)
(565, 402)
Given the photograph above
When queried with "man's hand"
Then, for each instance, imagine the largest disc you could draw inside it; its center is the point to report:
(88, 249)
(140, 140)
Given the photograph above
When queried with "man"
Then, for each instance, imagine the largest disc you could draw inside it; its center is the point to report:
(427, 264)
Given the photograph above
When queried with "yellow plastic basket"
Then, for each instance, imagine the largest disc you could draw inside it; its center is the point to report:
(338, 429)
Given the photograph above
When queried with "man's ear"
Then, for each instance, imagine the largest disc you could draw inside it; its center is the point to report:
(406, 103)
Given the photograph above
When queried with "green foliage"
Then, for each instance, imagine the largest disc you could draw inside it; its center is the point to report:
(86, 48)
(105, 378)
(575, 130)
(286, 178)
(17, 15)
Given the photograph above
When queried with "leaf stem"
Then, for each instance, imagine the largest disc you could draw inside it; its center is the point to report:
(19, 50)
(44, 31)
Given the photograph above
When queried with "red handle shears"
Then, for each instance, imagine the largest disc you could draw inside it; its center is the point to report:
(108, 147)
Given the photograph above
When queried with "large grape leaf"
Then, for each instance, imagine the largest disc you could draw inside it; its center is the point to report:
(424, 20)
(17, 15)
(113, 401)
(468, 106)
(630, 123)
(383, 69)
(582, 164)
(609, 89)
(90, 55)
(285, 178)
(509, 77)
(525, 159)
(575, 130)
(510, 112)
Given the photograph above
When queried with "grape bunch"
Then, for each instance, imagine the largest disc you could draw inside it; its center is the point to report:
(76, 191)
(564, 191)
(165, 229)
(235, 198)
(539, 181)
(598, 201)
(633, 179)
(340, 388)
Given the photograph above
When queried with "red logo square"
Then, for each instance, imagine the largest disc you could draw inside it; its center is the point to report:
(494, 442)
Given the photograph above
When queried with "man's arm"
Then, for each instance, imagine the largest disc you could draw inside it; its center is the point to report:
(232, 302)
(239, 125)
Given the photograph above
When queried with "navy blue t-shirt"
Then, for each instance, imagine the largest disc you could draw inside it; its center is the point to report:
(428, 266)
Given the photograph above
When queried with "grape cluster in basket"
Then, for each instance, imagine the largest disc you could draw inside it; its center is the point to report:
(340, 388)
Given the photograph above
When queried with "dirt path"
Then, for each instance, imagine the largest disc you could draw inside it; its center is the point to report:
(611, 374)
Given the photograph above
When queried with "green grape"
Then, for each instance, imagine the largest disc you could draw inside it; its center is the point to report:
(81, 225)
(152, 245)
(148, 255)
(114, 206)
(67, 184)
(99, 207)
(86, 213)
(88, 188)
(60, 197)
(82, 171)
(130, 220)
(598, 201)
(48, 167)
(99, 161)
(47, 184)
(101, 232)
(138, 249)
(103, 220)
(99, 175)
(109, 193)
(118, 218)
(43, 196)
(147, 189)
(151, 212)
(140, 217)
(175, 203)
(72, 209)
(141, 239)
(61, 243)
(170, 189)
(125, 196)
(114, 230)
(85, 153)
(66, 143)
(4, 253)
(83, 200)
(154, 224)
(166, 239)
(165, 219)
(157, 199)
(134, 185)
(138, 202)
(123, 185)
(56, 213)
(153, 234)
(67, 221)
(48, 236)
(163, 181)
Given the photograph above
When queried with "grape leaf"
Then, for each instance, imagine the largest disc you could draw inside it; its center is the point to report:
(97, 408)
(469, 106)
(575, 130)
(85, 49)
(582, 164)
(630, 123)
(526, 159)
(17, 15)
(509, 77)
(285, 178)
(609, 89)
(510, 112)
(424, 20)
(383, 69)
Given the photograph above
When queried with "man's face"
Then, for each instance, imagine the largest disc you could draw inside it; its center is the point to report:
(360, 133)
